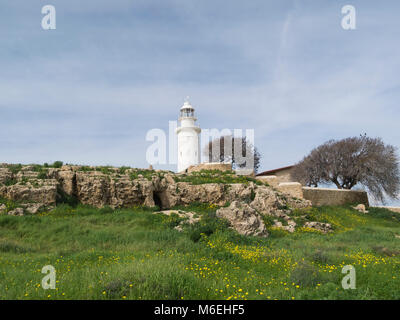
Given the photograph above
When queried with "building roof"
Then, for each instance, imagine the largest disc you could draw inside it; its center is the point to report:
(271, 172)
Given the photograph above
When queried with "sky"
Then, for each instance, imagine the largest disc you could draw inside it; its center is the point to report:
(89, 91)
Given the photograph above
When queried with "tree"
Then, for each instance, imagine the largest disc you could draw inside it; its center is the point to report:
(348, 162)
(236, 150)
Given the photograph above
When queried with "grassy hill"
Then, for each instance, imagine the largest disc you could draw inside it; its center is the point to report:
(136, 254)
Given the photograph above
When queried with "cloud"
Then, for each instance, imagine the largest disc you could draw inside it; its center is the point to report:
(90, 90)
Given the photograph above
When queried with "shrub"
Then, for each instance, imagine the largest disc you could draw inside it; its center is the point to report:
(57, 164)
(207, 225)
(10, 182)
(196, 232)
(15, 168)
(36, 167)
(24, 180)
(105, 170)
(252, 195)
(268, 220)
(42, 175)
(122, 170)
(85, 169)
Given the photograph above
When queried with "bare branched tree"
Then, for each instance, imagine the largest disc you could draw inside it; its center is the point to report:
(348, 162)
(236, 150)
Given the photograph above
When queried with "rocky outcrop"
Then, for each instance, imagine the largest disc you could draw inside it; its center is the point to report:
(361, 208)
(116, 189)
(44, 194)
(244, 219)
(288, 224)
(188, 217)
(319, 226)
(5, 175)
(32, 208)
(37, 188)
(16, 212)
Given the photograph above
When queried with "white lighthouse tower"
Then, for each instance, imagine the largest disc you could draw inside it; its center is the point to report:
(188, 138)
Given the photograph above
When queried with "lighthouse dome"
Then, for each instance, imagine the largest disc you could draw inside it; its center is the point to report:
(187, 111)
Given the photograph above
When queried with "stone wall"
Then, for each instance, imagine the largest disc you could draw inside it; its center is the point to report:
(271, 180)
(294, 189)
(285, 175)
(318, 196)
(210, 166)
(334, 197)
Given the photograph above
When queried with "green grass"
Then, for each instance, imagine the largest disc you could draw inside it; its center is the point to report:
(146, 174)
(10, 182)
(215, 176)
(136, 254)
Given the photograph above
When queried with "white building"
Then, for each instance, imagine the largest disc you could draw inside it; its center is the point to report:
(188, 138)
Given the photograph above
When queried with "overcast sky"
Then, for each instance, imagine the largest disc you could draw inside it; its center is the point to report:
(89, 91)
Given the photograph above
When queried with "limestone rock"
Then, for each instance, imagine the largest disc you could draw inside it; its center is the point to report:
(67, 181)
(45, 195)
(16, 212)
(361, 208)
(270, 202)
(290, 225)
(320, 226)
(3, 208)
(132, 187)
(296, 203)
(5, 175)
(26, 174)
(190, 217)
(32, 208)
(266, 201)
(244, 219)
(182, 193)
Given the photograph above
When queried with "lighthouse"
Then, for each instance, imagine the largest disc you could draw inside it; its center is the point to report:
(188, 138)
